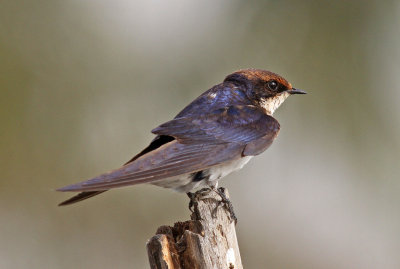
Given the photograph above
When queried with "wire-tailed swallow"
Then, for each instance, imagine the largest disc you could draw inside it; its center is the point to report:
(216, 134)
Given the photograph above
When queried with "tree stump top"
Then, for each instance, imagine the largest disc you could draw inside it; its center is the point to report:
(207, 241)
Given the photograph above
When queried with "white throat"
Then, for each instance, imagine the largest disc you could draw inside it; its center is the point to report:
(272, 103)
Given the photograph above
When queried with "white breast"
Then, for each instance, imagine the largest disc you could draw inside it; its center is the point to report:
(271, 104)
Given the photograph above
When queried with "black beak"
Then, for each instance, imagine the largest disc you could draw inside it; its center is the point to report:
(296, 91)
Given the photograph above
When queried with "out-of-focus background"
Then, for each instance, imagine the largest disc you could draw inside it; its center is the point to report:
(83, 83)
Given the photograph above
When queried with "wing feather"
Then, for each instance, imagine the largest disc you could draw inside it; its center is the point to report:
(200, 142)
(166, 161)
(235, 124)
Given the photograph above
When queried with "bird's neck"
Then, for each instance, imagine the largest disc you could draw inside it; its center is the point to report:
(270, 104)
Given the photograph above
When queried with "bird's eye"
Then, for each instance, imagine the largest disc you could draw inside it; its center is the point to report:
(273, 85)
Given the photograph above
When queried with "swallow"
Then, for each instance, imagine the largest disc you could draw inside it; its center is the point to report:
(216, 134)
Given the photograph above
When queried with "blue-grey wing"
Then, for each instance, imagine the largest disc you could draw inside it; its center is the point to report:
(231, 124)
(199, 142)
(169, 160)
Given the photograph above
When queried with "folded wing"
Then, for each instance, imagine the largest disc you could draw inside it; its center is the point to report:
(200, 142)
(232, 124)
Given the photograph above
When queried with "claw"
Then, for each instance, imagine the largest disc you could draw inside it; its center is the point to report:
(194, 197)
(228, 204)
(193, 204)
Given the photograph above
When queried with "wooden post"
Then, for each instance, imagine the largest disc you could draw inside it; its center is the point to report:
(207, 241)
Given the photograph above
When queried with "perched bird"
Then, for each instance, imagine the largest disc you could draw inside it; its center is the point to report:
(216, 134)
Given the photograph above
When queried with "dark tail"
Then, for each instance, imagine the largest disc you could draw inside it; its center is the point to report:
(80, 197)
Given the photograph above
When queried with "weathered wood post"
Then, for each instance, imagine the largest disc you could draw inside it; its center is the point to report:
(207, 241)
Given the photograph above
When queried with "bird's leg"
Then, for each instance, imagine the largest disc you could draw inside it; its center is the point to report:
(228, 204)
(194, 198)
(193, 204)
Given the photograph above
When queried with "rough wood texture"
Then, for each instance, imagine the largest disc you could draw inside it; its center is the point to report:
(206, 243)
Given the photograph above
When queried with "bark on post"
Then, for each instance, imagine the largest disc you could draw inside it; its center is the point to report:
(206, 243)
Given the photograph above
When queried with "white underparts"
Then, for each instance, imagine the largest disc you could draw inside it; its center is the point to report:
(185, 183)
(220, 171)
(272, 103)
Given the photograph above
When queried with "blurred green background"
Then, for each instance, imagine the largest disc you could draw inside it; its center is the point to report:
(83, 83)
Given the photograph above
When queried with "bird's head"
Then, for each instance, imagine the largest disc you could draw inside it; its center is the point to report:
(264, 88)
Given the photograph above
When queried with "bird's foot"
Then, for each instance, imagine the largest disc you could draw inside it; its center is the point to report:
(194, 198)
(227, 203)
